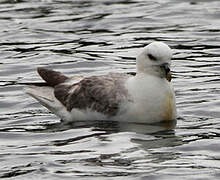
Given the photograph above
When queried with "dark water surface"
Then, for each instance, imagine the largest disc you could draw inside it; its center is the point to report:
(96, 37)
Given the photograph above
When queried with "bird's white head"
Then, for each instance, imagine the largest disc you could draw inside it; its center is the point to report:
(155, 60)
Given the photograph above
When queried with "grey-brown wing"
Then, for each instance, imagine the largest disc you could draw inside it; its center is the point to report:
(99, 93)
(51, 77)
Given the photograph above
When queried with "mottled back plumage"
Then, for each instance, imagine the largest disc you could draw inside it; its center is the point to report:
(97, 93)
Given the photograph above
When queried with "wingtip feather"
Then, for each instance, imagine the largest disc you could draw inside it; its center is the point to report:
(52, 77)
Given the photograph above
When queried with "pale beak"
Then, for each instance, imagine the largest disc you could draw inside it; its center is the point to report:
(166, 69)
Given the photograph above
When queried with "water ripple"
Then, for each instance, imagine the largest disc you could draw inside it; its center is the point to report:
(96, 37)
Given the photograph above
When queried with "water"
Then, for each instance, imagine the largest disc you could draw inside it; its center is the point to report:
(96, 37)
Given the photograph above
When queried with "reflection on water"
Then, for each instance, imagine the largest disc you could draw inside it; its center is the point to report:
(84, 147)
(96, 37)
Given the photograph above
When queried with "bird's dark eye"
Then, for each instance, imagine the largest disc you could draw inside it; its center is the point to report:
(152, 57)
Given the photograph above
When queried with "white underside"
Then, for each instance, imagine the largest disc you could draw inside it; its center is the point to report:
(150, 100)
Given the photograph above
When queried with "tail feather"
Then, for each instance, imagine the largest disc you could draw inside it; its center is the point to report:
(45, 95)
(52, 77)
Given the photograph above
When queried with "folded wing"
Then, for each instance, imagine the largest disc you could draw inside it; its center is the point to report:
(97, 93)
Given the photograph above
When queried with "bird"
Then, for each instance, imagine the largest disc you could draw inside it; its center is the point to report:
(146, 96)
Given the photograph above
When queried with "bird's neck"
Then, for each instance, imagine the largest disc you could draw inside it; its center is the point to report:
(145, 72)
(145, 75)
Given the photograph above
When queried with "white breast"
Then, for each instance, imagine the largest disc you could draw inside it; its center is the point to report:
(151, 100)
